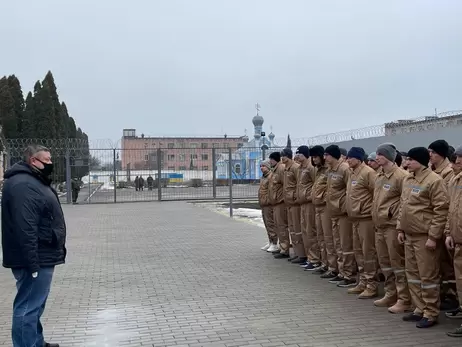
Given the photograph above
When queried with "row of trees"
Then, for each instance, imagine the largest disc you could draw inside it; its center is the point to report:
(41, 118)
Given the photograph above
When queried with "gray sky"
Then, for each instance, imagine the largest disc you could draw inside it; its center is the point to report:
(198, 67)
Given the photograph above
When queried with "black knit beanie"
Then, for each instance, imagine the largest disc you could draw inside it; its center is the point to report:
(440, 147)
(419, 154)
(317, 151)
(303, 150)
(334, 151)
(357, 153)
(343, 151)
(276, 156)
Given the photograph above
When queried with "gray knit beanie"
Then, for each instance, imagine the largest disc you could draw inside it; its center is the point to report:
(458, 151)
(372, 156)
(266, 163)
(388, 151)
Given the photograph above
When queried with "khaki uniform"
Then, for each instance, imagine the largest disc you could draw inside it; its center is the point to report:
(308, 214)
(337, 181)
(276, 199)
(454, 226)
(422, 216)
(266, 208)
(323, 220)
(360, 191)
(447, 268)
(390, 252)
(291, 177)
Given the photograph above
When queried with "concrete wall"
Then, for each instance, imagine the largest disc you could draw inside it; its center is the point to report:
(404, 142)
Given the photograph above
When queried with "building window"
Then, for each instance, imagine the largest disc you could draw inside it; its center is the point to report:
(237, 169)
(193, 156)
(171, 157)
(146, 157)
(240, 145)
(204, 145)
(182, 157)
(170, 145)
(194, 168)
(226, 145)
(216, 145)
(205, 157)
(193, 145)
(181, 145)
(182, 168)
(171, 168)
(205, 168)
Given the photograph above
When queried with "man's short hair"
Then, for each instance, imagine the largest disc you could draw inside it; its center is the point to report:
(32, 150)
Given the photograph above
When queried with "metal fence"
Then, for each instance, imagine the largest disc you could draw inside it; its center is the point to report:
(116, 175)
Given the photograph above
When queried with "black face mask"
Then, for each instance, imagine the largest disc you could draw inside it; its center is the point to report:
(47, 168)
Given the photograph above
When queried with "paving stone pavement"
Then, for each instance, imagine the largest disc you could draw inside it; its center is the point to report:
(175, 274)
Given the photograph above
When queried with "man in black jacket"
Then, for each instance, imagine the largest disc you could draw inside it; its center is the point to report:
(33, 241)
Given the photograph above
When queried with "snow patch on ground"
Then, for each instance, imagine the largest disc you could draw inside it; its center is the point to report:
(249, 215)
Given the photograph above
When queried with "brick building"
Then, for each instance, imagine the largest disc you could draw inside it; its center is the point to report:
(176, 153)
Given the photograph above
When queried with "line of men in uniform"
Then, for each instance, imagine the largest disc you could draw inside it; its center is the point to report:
(352, 218)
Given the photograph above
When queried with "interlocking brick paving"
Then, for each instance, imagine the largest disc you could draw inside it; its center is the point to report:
(175, 274)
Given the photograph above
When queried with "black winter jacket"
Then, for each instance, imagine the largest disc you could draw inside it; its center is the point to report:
(33, 227)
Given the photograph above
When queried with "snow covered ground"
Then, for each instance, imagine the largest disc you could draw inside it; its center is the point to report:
(249, 215)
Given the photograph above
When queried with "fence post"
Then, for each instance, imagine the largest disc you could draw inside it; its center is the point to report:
(68, 177)
(230, 181)
(214, 169)
(263, 155)
(114, 173)
(159, 174)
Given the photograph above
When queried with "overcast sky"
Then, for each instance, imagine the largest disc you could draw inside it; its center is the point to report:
(198, 67)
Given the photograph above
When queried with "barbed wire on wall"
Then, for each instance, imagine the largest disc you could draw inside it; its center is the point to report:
(363, 133)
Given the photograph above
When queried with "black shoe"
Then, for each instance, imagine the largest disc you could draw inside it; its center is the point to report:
(299, 261)
(50, 344)
(281, 256)
(426, 323)
(312, 266)
(276, 251)
(292, 258)
(329, 275)
(336, 280)
(412, 317)
(449, 303)
(455, 314)
(346, 283)
(455, 333)
(320, 270)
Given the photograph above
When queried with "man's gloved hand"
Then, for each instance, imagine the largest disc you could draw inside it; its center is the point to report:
(34, 274)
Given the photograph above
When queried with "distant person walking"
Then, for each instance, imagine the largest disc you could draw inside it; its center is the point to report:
(75, 185)
(33, 241)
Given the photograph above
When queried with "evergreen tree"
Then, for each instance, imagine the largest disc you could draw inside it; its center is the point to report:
(289, 142)
(7, 112)
(29, 119)
(18, 99)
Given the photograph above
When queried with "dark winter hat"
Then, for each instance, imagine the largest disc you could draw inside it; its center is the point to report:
(357, 153)
(303, 150)
(419, 154)
(440, 147)
(399, 159)
(388, 151)
(317, 151)
(287, 152)
(276, 156)
(458, 151)
(334, 151)
(343, 151)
